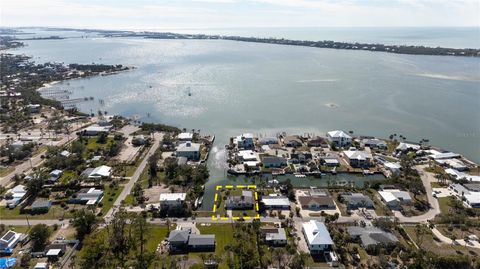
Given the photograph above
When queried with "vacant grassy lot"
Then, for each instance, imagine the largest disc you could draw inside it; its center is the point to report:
(110, 195)
(55, 212)
(223, 236)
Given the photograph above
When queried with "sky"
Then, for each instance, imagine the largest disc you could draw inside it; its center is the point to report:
(164, 14)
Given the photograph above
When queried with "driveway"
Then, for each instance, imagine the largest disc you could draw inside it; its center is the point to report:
(434, 210)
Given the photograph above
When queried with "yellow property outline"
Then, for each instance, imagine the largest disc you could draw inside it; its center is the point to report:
(220, 187)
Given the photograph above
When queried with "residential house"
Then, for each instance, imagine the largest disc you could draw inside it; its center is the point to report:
(244, 141)
(357, 200)
(87, 196)
(55, 175)
(189, 150)
(247, 155)
(40, 206)
(317, 237)
(453, 164)
(275, 237)
(329, 161)
(17, 195)
(371, 237)
(55, 251)
(404, 147)
(373, 143)
(274, 162)
(394, 198)
(94, 130)
(318, 142)
(65, 153)
(339, 138)
(185, 137)
(34, 108)
(41, 265)
(242, 202)
(393, 167)
(358, 158)
(300, 158)
(292, 141)
(182, 239)
(99, 172)
(316, 202)
(139, 140)
(469, 193)
(9, 240)
(276, 202)
(169, 200)
(267, 140)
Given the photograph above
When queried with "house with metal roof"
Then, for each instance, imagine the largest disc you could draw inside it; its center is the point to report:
(372, 236)
(317, 237)
(189, 150)
(275, 202)
(87, 196)
(40, 205)
(275, 237)
(17, 194)
(183, 239)
(357, 200)
(339, 138)
(394, 198)
(102, 171)
(168, 200)
(9, 240)
(185, 136)
(358, 158)
(201, 242)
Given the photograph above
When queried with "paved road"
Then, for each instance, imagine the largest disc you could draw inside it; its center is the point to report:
(434, 210)
(461, 242)
(128, 188)
(31, 162)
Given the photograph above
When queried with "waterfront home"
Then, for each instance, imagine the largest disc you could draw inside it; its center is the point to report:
(316, 202)
(404, 147)
(301, 158)
(393, 167)
(184, 137)
(40, 205)
(244, 141)
(452, 163)
(469, 193)
(274, 162)
(339, 138)
(373, 143)
(106, 120)
(87, 196)
(9, 240)
(275, 237)
(99, 172)
(358, 158)
(329, 161)
(317, 142)
(357, 200)
(170, 200)
(247, 155)
(244, 201)
(55, 175)
(394, 198)
(371, 237)
(276, 202)
(16, 195)
(189, 150)
(317, 237)
(94, 130)
(292, 141)
(267, 141)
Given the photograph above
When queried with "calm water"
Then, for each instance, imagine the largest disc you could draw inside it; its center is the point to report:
(261, 88)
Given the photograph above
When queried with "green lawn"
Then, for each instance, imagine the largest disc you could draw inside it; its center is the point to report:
(110, 195)
(223, 236)
(156, 234)
(55, 212)
(92, 145)
(444, 203)
(67, 176)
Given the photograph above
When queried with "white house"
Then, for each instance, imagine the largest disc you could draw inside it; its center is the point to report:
(358, 158)
(185, 137)
(247, 155)
(339, 138)
(102, 171)
(189, 150)
(393, 167)
(9, 240)
(317, 237)
(18, 192)
(95, 130)
(402, 147)
(276, 202)
(393, 198)
(244, 141)
(65, 153)
(172, 199)
(55, 175)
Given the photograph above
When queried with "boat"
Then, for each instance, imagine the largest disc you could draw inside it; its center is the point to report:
(299, 175)
(334, 170)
